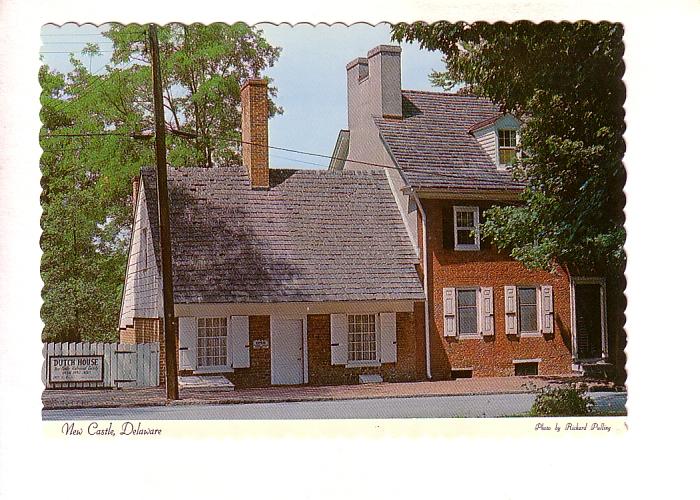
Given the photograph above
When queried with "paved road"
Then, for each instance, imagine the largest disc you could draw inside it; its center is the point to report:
(497, 405)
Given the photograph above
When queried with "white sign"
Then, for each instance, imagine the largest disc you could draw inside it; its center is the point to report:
(260, 344)
(76, 368)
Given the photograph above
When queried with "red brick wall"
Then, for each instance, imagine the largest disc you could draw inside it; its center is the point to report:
(255, 112)
(490, 356)
(259, 374)
(410, 364)
(127, 335)
(144, 331)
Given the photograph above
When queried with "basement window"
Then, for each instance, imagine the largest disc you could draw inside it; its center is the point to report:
(461, 373)
(524, 368)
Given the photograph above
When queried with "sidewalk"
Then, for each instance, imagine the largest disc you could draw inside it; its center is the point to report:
(155, 396)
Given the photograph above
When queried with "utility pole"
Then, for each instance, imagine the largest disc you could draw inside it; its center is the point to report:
(166, 258)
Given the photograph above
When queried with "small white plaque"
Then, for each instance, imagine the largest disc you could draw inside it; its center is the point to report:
(260, 344)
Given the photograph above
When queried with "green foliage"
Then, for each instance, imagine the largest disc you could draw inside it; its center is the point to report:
(202, 69)
(86, 195)
(564, 82)
(566, 401)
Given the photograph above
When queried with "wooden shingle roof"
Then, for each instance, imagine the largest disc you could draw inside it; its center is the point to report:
(433, 145)
(313, 236)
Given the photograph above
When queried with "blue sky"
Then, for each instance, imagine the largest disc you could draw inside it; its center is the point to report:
(309, 75)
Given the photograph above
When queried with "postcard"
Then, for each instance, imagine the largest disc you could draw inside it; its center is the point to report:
(257, 231)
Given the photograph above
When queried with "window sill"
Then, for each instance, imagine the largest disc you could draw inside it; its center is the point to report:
(474, 336)
(530, 334)
(462, 248)
(209, 371)
(362, 364)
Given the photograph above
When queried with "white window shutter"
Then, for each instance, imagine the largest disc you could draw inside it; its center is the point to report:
(547, 309)
(511, 309)
(239, 341)
(487, 311)
(387, 322)
(449, 312)
(188, 343)
(339, 339)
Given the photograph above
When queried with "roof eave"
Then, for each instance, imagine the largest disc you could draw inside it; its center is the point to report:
(464, 193)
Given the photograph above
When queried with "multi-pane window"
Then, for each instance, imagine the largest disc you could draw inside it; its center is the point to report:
(506, 147)
(466, 312)
(466, 228)
(211, 342)
(362, 337)
(527, 310)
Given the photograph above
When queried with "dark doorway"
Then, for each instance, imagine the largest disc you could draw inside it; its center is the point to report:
(589, 335)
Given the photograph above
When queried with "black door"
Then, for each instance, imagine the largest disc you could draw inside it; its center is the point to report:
(589, 341)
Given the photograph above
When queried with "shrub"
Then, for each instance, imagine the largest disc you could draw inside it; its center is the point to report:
(566, 401)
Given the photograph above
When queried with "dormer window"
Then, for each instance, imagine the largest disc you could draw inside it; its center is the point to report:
(506, 147)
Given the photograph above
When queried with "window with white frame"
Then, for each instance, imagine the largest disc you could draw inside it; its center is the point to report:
(211, 342)
(506, 146)
(362, 337)
(527, 310)
(467, 314)
(466, 228)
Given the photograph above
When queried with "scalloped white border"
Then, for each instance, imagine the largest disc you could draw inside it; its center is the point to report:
(661, 78)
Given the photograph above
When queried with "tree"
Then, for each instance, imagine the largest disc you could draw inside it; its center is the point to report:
(564, 82)
(203, 68)
(91, 125)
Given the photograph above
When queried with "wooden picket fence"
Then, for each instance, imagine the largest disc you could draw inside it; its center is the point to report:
(124, 365)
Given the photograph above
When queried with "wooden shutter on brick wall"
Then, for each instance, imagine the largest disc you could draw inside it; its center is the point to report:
(239, 341)
(339, 339)
(187, 327)
(449, 310)
(448, 228)
(511, 309)
(487, 311)
(547, 309)
(387, 322)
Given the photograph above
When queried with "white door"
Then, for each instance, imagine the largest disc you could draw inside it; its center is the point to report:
(287, 356)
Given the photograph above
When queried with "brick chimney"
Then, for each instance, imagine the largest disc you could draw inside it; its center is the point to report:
(254, 109)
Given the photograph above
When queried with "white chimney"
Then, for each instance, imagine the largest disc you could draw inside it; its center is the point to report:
(374, 84)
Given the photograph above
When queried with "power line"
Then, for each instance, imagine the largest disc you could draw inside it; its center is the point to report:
(240, 141)
(128, 32)
(69, 52)
(296, 151)
(298, 161)
(96, 81)
(68, 42)
(86, 134)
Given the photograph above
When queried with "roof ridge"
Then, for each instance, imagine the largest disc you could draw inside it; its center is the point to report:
(453, 94)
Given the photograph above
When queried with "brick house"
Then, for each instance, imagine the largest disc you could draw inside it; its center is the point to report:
(321, 277)
(279, 276)
(446, 158)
